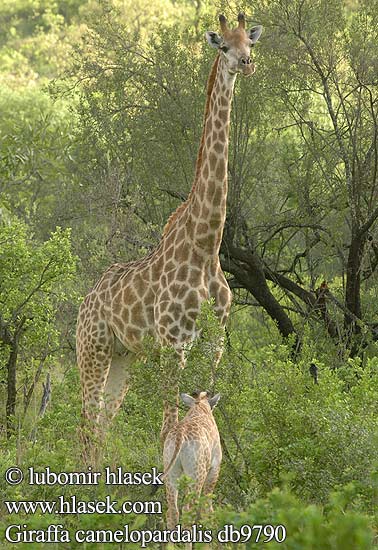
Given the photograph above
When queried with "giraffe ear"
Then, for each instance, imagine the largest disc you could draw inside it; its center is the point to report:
(254, 33)
(214, 39)
(213, 401)
(187, 399)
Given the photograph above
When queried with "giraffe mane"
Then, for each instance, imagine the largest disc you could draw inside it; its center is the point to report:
(210, 84)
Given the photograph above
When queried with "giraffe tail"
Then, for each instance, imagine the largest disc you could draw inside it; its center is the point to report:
(179, 441)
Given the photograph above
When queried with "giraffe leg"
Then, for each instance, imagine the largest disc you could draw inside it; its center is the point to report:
(210, 483)
(93, 382)
(94, 352)
(223, 298)
(116, 387)
(194, 463)
(172, 364)
(191, 504)
(214, 366)
(170, 411)
(172, 505)
(208, 489)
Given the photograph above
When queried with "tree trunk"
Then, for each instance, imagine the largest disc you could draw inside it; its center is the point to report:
(11, 387)
(12, 341)
(252, 278)
(353, 284)
(251, 273)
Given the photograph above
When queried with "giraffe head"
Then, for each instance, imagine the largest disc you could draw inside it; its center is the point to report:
(200, 397)
(235, 45)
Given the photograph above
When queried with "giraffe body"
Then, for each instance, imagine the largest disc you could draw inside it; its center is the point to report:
(161, 294)
(192, 447)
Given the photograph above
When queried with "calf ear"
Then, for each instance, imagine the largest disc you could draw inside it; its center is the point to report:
(254, 33)
(213, 39)
(187, 399)
(213, 401)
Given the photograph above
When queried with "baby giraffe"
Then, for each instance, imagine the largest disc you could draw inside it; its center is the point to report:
(192, 447)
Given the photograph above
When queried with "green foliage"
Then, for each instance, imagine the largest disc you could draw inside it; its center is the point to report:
(35, 39)
(36, 279)
(36, 149)
(295, 453)
(337, 526)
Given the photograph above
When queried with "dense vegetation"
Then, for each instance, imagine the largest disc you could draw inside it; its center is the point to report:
(101, 110)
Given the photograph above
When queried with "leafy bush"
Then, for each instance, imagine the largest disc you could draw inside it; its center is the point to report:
(308, 527)
(278, 430)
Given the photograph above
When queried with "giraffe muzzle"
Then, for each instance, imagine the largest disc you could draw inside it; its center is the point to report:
(248, 69)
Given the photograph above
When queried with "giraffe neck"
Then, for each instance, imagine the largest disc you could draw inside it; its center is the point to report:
(207, 201)
(199, 411)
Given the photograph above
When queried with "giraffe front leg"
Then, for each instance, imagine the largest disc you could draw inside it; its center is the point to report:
(90, 434)
(172, 362)
(170, 414)
(220, 291)
(94, 364)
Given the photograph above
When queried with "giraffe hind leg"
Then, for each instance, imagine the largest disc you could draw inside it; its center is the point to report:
(210, 483)
(193, 460)
(116, 387)
(172, 504)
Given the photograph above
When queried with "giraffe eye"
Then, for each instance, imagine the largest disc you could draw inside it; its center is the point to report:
(224, 49)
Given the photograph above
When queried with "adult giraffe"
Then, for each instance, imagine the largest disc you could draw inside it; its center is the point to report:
(161, 294)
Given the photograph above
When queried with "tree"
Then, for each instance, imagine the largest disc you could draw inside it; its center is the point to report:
(35, 279)
(302, 197)
(319, 60)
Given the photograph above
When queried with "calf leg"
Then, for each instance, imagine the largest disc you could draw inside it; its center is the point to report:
(210, 483)
(172, 511)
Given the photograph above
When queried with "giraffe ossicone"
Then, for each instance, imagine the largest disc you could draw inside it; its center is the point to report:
(161, 295)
